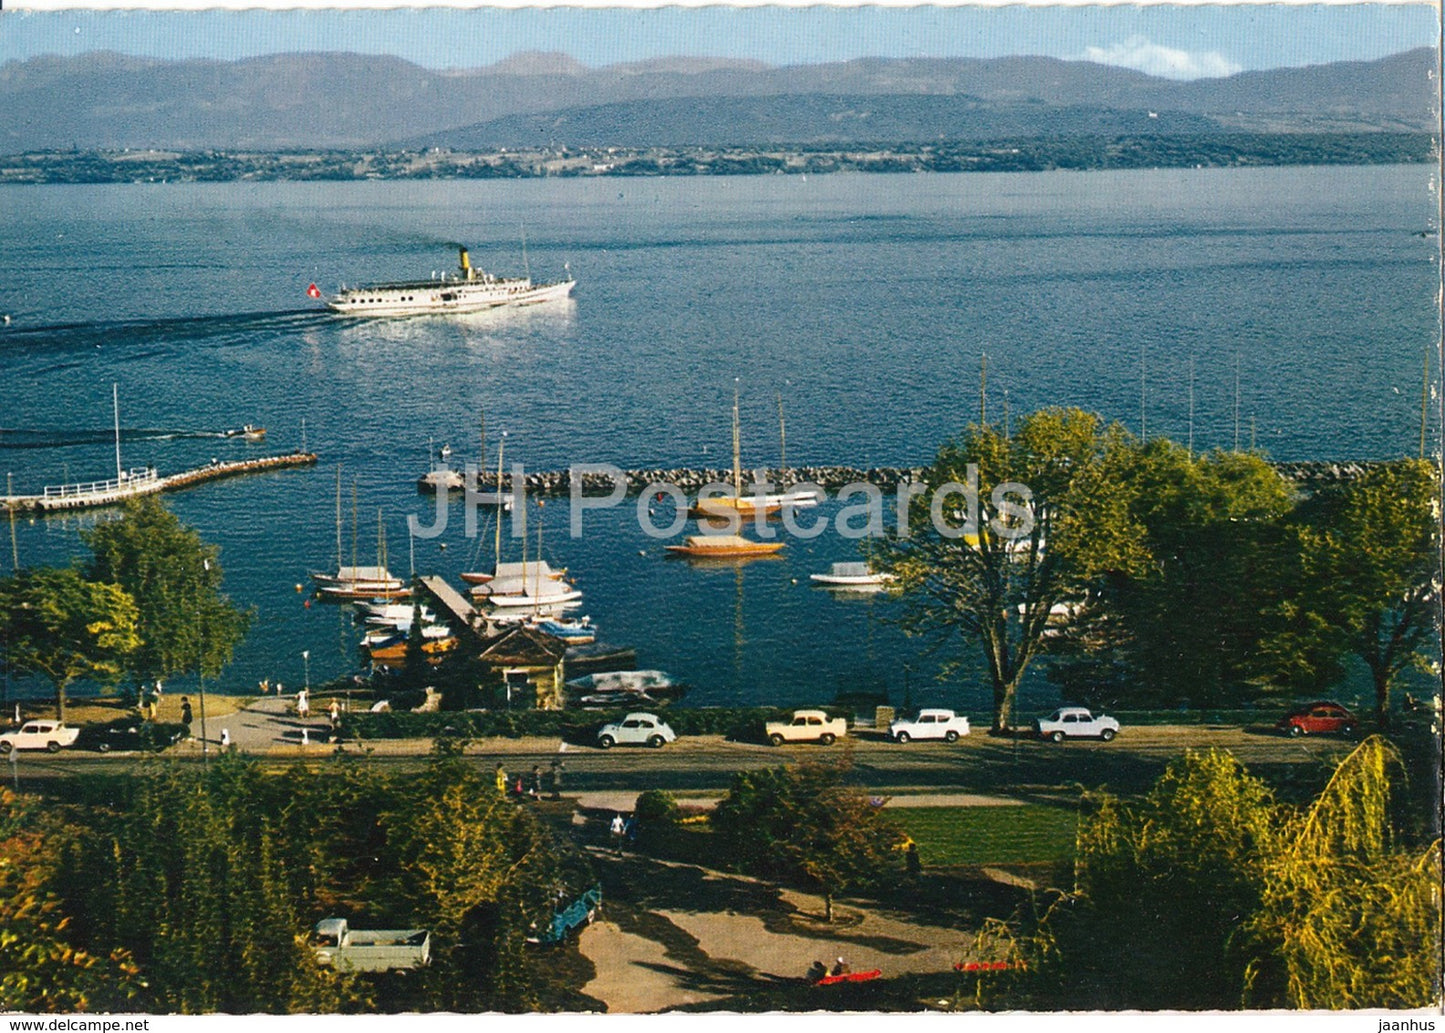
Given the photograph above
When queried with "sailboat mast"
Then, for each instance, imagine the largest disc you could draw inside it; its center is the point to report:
(1191, 406)
(983, 390)
(737, 448)
(115, 407)
(338, 518)
(1425, 403)
(501, 504)
(380, 542)
(782, 444)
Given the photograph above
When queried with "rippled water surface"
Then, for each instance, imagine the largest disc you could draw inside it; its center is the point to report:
(863, 301)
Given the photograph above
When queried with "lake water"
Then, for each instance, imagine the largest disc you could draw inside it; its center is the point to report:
(864, 301)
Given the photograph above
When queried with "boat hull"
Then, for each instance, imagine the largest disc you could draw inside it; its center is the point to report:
(445, 298)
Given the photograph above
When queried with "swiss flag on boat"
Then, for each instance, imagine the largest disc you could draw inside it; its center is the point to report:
(313, 291)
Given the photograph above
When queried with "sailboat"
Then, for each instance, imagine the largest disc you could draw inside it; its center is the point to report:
(736, 504)
(533, 586)
(503, 501)
(498, 499)
(355, 582)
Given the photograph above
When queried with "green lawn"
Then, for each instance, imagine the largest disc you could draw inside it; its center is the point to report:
(990, 835)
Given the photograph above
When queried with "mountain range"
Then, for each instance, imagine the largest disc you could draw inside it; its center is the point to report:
(108, 101)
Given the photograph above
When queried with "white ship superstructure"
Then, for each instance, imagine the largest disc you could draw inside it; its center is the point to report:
(470, 290)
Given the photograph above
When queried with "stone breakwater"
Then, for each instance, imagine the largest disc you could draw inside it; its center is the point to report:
(1308, 476)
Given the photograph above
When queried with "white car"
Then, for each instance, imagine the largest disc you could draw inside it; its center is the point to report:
(807, 726)
(1076, 723)
(929, 724)
(39, 735)
(636, 730)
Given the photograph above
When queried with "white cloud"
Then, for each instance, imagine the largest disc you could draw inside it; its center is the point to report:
(1138, 53)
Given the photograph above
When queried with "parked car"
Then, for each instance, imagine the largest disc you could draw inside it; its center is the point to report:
(129, 733)
(38, 735)
(929, 724)
(1076, 723)
(636, 730)
(807, 726)
(1321, 717)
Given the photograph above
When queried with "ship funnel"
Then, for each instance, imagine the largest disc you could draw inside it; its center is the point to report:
(465, 263)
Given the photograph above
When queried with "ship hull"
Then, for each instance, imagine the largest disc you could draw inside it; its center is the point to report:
(431, 298)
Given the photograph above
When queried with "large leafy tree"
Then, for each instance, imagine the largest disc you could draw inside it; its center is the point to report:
(804, 824)
(56, 625)
(185, 621)
(1000, 582)
(1188, 624)
(1367, 580)
(1208, 892)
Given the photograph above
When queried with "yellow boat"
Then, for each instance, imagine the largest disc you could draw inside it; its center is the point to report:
(719, 546)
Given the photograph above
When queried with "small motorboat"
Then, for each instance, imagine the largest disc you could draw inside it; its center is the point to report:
(654, 684)
(855, 576)
(250, 432)
(579, 632)
(850, 977)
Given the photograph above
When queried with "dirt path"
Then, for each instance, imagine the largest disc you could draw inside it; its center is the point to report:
(675, 936)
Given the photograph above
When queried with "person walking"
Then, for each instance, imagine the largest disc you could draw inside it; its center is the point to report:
(186, 713)
(534, 786)
(225, 738)
(619, 832)
(333, 713)
(557, 769)
(501, 779)
(303, 705)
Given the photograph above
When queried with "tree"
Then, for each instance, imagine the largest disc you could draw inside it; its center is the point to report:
(804, 824)
(1367, 580)
(1208, 893)
(41, 967)
(1348, 917)
(185, 622)
(996, 572)
(1189, 624)
(56, 625)
(1163, 883)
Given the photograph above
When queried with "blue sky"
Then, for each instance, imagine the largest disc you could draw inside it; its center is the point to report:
(1179, 41)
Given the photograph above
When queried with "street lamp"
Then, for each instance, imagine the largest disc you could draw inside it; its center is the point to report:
(306, 657)
(201, 667)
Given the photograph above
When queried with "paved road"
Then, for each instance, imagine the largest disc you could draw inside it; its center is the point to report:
(979, 764)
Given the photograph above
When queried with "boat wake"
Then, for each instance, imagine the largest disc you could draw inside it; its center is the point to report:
(76, 438)
(130, 334)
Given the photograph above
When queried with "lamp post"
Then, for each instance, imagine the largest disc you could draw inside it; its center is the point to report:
(201, 669)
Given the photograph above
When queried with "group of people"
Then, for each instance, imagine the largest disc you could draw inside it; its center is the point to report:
(818, 970)
(531, 786)
(623, 831)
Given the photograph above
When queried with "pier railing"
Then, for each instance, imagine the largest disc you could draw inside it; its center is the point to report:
(128, 481)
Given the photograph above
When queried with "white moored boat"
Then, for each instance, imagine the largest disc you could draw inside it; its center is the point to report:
(853, 575)
(471, 290)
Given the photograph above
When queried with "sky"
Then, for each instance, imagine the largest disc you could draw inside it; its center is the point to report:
(1177, 41)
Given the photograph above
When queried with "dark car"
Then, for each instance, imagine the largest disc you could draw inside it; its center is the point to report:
(130, 734)
(1321, 717)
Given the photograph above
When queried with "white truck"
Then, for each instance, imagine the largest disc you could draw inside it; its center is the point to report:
(39, 735)
(345, 949)
(929, 724)
(807, 726)
(1076, 723)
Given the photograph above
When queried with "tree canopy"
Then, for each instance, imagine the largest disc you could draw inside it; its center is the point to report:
(804, 824)
(996, 577)
(185, 622)
(56, 625)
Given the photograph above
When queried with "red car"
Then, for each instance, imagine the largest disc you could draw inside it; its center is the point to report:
(1320, 717)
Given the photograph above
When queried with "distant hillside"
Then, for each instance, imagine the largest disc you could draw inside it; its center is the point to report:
(101, 101)
(806, 120)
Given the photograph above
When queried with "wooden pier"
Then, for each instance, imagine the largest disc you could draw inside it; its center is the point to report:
(144, 481)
